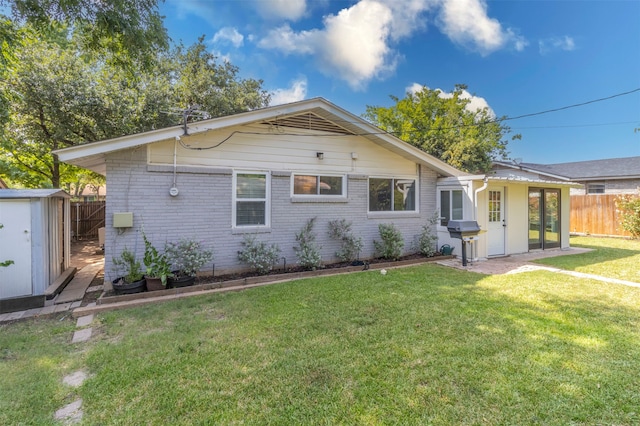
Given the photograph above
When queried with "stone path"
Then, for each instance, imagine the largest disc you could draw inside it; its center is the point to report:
(72, 413)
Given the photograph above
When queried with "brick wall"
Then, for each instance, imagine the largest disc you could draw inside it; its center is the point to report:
(203, 210)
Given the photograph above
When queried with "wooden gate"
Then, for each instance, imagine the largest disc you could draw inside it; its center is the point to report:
(86, 218)
(596, 214)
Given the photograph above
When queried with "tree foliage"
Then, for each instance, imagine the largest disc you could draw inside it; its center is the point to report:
(445, 128)
(629, 209)
(58, 97)
(131, 30)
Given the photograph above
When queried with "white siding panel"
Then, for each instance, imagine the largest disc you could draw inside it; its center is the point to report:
(295, 150)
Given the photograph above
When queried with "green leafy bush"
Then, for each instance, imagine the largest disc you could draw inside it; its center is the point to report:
(392, 242)
(307, 250)
(157, 264)
(629, 208)
(128, 267)
(427, 241)
(257, 254)
(187, 256)
(350, 245)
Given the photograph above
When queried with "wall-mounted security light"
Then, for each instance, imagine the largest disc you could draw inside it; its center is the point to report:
(320, 155)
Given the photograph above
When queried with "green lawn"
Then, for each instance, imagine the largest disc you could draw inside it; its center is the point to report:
(421, 345)
(611, 257)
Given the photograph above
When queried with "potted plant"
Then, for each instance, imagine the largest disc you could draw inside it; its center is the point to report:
(187, 257)
(133, 279)
(158, 268)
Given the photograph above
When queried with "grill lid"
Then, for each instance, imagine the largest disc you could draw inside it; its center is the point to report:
(465, 226)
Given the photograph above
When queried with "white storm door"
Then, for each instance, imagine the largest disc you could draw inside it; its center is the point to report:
(497, 225)
(15, 244)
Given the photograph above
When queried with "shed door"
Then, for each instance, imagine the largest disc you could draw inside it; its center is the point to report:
(15, 244)
(496, 231)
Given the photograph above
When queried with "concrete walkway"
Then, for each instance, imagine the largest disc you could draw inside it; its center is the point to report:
(520, 263)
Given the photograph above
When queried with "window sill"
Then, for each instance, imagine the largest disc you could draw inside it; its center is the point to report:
(318, 199)
(393, 215)
(251, 230)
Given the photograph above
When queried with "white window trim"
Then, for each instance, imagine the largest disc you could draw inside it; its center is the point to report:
(395, 213)
(303, 197)
(267, 207)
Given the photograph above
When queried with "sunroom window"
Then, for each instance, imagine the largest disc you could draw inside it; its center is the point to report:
(392, 194)
(251, 199)
(450, 206)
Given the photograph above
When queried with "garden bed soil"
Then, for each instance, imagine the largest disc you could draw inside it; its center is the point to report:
(239, 280)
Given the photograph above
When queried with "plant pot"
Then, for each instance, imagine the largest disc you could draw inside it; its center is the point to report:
(182, 281)
(120, 286)
(154, 284)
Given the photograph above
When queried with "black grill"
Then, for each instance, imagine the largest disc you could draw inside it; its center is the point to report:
(464, 230)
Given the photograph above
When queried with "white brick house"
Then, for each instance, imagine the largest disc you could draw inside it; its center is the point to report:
(264, 172)
(268, 171)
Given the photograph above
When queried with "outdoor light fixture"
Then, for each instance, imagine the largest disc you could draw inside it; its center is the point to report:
(320, 155)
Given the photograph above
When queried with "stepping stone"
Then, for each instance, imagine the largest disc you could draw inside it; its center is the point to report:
(84, 321)
(82, 335)
(75, 379)
(70, 413)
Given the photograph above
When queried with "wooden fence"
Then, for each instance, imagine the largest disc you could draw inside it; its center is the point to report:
(86, 218)
(595, 214)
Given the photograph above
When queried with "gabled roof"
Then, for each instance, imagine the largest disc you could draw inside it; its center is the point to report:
(315, 114)
(32, 193)
(610, 168)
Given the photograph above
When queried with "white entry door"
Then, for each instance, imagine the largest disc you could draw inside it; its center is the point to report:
(497, 225)
(15, 244)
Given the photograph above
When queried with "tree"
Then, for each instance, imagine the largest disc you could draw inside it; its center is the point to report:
(445, 128)
(214, 87)
(59, 97)
(131, 30)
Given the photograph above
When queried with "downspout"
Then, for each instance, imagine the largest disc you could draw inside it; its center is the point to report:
(475, 209)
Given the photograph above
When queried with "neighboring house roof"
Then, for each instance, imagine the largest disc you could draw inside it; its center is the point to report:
(32, 193)
(316, 114)
(610, 168)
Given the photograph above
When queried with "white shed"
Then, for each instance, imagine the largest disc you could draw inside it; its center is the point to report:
(35, 235)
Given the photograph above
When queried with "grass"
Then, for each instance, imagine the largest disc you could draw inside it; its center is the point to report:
(421, 345)
(611, 257)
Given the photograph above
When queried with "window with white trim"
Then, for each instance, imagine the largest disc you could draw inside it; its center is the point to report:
(251, 199)
(450, 206)
(392, 194)
(318, 185)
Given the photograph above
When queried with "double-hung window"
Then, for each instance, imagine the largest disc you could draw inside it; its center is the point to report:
(450, 206)
(251, 199)
(318, 185)
(392, 194)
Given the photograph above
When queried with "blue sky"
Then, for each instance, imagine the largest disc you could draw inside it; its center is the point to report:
(517, 57)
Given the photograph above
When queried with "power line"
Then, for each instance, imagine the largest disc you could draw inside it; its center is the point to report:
(570, 106)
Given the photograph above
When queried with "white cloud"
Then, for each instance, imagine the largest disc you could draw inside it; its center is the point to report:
(291, 10)
(229, 35)
(356, 44)
(466, 23)
(565, 43)
(475, 102)
(296, 92)
(352, 45)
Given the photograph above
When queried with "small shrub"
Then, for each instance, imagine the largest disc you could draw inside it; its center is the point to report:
(128, 267)
(257, 254)
(187, 256)
(308, 251)
(427, 241)
(392, 242)
(629, 208)
(350, 245)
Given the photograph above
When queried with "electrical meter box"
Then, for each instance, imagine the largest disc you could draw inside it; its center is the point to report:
(123, 220)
